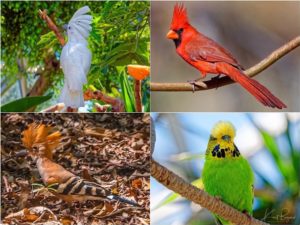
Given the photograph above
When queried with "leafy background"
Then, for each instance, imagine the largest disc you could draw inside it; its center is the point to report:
(30, 51)
(269, 141)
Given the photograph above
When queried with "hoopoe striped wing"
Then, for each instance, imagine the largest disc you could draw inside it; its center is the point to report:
(77, 186)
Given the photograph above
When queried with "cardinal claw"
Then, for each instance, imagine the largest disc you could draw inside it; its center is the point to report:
(197, 83)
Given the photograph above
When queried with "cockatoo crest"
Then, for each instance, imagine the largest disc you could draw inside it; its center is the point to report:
(79, 26)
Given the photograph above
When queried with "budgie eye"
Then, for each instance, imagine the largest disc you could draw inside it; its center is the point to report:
(226, 137)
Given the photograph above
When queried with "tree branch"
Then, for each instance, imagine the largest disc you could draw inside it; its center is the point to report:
(52, 26)
(198, 196)
(117, 104)
(215, 83)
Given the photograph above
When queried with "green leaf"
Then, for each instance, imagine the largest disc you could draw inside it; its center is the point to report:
(184, 156)
(24, 104)
(127, 93)
(272, 146)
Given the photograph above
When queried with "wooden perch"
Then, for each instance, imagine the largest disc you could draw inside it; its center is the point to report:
(198, 196)
(215, 83)
(117, 104)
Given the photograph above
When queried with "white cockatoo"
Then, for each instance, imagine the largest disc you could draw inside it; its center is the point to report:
(76, 58)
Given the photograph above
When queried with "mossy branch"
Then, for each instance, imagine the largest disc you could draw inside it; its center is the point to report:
(215, 83)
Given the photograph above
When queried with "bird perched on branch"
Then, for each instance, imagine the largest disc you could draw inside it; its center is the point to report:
(226, 174)
(40, 140)
(207, 56)
(76, 58)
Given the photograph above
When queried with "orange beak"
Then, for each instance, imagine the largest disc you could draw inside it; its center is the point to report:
(172, 35)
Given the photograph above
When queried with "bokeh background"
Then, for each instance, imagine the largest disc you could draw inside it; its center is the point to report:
(269, 141)
(250, 31)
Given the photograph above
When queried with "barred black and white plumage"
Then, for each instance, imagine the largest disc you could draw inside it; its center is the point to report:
(78, 186)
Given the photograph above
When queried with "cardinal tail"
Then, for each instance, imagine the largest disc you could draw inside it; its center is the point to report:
(260, 92)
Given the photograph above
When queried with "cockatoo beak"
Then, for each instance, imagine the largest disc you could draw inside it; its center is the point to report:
(65, 27)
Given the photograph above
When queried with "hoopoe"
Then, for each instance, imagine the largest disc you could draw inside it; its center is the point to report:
(40, 140)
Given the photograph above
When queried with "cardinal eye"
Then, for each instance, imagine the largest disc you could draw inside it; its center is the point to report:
(180, 30)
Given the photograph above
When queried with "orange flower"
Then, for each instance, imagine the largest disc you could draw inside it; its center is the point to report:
(138, 72)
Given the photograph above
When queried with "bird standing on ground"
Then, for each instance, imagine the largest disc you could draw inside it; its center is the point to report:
(226, 174)
(76, 58)
(207, 56)
(40, 140)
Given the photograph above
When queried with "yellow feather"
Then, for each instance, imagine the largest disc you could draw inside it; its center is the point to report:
(223, 128)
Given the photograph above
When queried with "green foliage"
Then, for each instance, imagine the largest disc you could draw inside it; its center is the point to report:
(24, 104)
(120, 36)
(127, 93)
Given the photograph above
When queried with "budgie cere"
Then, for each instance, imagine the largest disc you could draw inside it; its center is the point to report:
(76, 58)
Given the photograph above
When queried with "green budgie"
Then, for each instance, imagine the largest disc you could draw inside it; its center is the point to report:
(226, 174)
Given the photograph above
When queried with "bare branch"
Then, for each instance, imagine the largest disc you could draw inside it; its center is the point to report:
(55, 108)
(117, 104)
(215, 83)
(52, 26)
(198, 196)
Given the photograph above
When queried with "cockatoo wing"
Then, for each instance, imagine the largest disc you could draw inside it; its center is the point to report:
(76, 58)
(75, 62)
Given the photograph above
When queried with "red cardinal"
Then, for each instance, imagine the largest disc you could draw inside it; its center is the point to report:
(207, 56)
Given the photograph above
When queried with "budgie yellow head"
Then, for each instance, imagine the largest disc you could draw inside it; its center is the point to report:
(221, 141)
(224, 131)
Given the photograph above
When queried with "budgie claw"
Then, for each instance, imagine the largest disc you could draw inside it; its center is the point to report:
(247, 214)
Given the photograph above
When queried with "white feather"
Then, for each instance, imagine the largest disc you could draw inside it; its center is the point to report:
(81, 11)
(76, 59)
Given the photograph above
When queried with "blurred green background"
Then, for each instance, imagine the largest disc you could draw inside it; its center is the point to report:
(250, 30)
(269, 141)
(30, 51)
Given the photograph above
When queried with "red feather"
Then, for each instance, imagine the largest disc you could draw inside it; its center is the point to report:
(180, 18)
(207, 56)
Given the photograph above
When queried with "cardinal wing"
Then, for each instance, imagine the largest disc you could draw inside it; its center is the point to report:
(204, 48)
